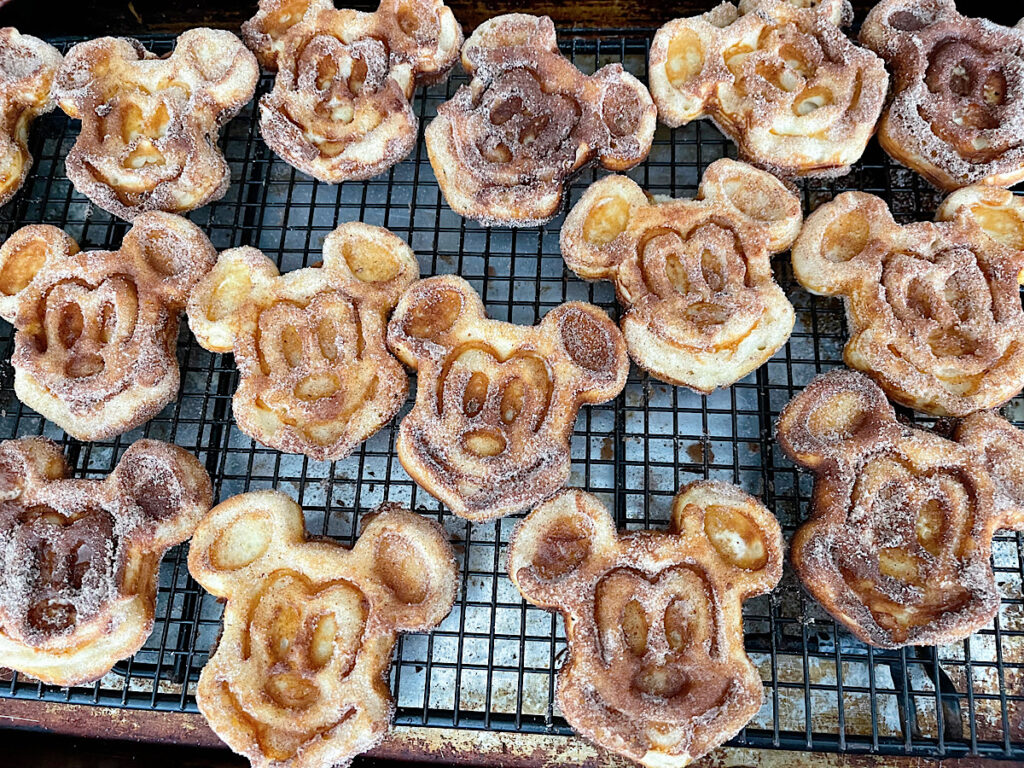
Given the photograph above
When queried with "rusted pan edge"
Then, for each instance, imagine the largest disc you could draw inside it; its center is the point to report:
(450, 745)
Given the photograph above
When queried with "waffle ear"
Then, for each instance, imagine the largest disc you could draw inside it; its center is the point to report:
(629, 113)
(225, 303)
(597, 233)
(218, 63)
(510, 29)
(27, 253)
(371, 260)
(755, 197)
(836, 409)
(593, 344)
(239, 535)
(1000, 446)
(172, 251)
(998, 212)
(29, 461)
(428, 315)
(412, 564)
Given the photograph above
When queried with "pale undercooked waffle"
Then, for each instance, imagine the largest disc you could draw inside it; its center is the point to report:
(496, 402)
(299, 675)
(504, 145)
(695, 277)
(778, 77)
(150, 125)
(94, 350)
(340, 108)
(316, 376)
(657, 670)
(957, 110)
(900, 532)
(27, 69)
(933, 309)
(79, 558)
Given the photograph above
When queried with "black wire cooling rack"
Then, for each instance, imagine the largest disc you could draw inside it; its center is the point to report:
(492, 662)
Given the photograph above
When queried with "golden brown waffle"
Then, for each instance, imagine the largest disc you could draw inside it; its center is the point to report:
(150, 126)
(299, 676)
(778, 77)
(94, 350)
(933, 309)
(900, 532)
(957, 109)
(496, 402)
(79, 558)
(316, 376)
(340, 106)
(695, 276)
(657, 670)
(504, 145)
(27, 69)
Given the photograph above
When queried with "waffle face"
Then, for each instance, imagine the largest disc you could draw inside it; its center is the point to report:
(780, 78)
(94, 349)
(694, 276)
(933, 309)
(78, 586)
(298, 679)
(957, 111)
(150, 125)
(504, 145)
(657, 670)
(27, 68)
(897, 547)
(339, 109)
(496, 402)
(316, 376)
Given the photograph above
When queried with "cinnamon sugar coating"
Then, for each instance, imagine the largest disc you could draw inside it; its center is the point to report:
(957, 110)
(933, 309)
(316, 376)
(299, 675)
(503, 146)
(27, 68)
(657, 670)
(94, 350)
(694, 276)
(340, 108)
(79, 558)
(898, 544)
(496, 402)
(150, 125)
(779, 78)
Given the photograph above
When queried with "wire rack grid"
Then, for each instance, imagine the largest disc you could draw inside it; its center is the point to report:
(492, 663)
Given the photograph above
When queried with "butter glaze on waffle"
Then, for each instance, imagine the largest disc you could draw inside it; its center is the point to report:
(695, 277)
(27, 68)
(898, 544)
(933, 309)
(316, 376)
(957, 110)
(779, 78)
(150, 125)
(94, 348)
(79, 558)
(496, 402)
(657, 670)
(299, 678)
(504, 145)
(340, 108)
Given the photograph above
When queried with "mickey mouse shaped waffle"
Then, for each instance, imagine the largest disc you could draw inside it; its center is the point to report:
(900, 532)
(27, 69)
(657, 670)
(340, 106)
(316, 376)
(94, 350)
(933, 310)
(150, 125)
(702, 306)
(778, 77)
(496, 402)
(504, 145)
(299, 676)
(79, 558)
(957, 110)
